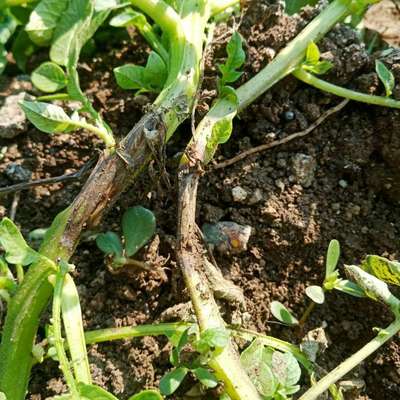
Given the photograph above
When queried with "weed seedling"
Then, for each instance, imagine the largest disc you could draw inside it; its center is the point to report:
(138, 227)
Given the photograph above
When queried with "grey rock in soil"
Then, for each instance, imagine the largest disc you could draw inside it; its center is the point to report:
(17, 173)
(239, 194)
(227, 236)
(303, 167)
(12, 118)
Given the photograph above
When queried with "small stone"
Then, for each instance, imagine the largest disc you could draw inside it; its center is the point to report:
(281, 163)
(12, 118)
(355, 210)
(227, 236)
(18, 173)
(280, 185)
(348, 216)
(256, 197)
(289, 115)
(314, 343)
(304, 169)
(351, 385)
(364, 230)
(239, 194)
(343, 183)
(335, 206)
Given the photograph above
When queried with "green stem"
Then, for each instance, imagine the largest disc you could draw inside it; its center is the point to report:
(293, 54)
(323, 384)
(147, 32)
(312, 80)
(20, 273)
(102, 134)
(160, 12)
(73, 326)
(306, 314)
(57, 336)
(51, 97)
(219, 6)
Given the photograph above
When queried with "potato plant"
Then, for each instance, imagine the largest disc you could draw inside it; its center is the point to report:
(177, 32)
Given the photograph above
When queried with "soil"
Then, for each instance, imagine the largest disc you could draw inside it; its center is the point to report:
(352, 193)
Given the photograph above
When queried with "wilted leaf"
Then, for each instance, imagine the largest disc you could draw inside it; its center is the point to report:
(138, 226)
(170, 382)
(286, 368)
(316, 294)
(382, 268)
(256, 360)
(109, 243)
(49, 77)
(17, 251)
(280, 312)
(386, 76)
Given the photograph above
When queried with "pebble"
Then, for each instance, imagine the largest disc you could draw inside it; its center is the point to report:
(239, 194)
(18, 173)
(304, 167)
(227, 236)
(12, 118)
(343, 183)
(256, 197)
(280, 185)
(289, 115)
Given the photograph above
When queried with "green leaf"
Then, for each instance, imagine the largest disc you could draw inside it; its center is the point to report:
(175, 353)
(49, 77)
(2, 396)
(147, 395)
(109, 243)
(332, 258)
(22, 49)
(319, 68)
(104, 5)
(236, 58)
(170, 382)
(155, 73)
(280, 312)
(8, 24)
(256, 360)
(386, 76)
(207, 378)
(93, 392)
(213, 339)
(138, 226)
(47, 117)
(286, 368)
(129, 76)
(17, 251)
(316, 294)
(294, 6)
(44, 19)
(129, 17)
(220, 124)
(3, 59)
(312, 53)
(345, 286)
(382, 268)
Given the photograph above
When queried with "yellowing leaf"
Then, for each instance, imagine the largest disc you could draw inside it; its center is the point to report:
(384, 269)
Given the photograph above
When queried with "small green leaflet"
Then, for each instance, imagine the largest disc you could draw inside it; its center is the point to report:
(294, 6)
(43, 20)
(332, 257)
(207, 378)
(281, 313)
(256, 360)
(93, 392)
(236, 58)
(346, 286)
(147, 395)
(382, 268)
(49, 77)
(316, 294)
(150, 78)
(213, 339)
(109, 243)
(17, 251)
(22, 48)
(103, 5)
(312, 62)
(138, 226)
(386, 77)
(48, 117)
(170, 382)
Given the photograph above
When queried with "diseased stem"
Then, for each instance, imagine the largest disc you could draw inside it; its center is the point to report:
(325, 86)
(323, 384)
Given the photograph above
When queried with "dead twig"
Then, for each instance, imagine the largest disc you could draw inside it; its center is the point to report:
(287, 139)
(48, 181)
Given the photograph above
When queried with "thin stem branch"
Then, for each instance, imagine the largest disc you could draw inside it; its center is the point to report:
(52, 97)
(323, 384)
(318, 83)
